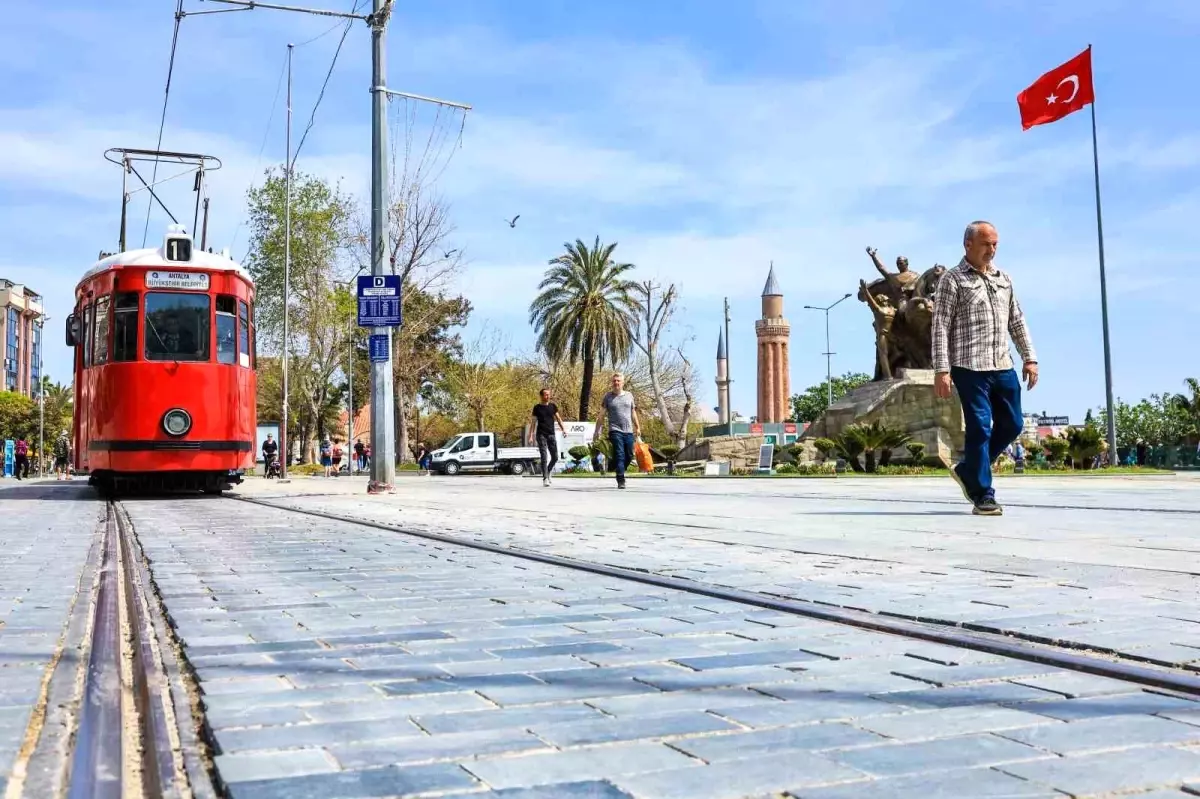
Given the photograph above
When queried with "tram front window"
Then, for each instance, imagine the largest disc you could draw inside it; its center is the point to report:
(177, 327)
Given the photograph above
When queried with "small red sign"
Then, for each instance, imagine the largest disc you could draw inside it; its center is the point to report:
(789, 428)
(755, 429)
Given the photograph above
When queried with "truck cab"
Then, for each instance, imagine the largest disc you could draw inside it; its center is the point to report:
(477, 451)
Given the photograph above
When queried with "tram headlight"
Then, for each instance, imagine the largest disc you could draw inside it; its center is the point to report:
(176, 422)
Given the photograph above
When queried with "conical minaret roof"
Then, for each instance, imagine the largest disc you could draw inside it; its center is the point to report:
(771, 289)
(721, 345)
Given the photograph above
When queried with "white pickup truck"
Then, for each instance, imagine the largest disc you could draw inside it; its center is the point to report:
(478, 452)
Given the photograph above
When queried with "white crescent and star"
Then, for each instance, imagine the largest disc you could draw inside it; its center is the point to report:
(1071, 79)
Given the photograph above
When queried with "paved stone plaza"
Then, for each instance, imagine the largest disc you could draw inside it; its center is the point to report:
(1110, 563)
(339, 660)
(46, 532)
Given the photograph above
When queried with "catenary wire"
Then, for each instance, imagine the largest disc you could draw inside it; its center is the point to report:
(163, 117)
(321, 95)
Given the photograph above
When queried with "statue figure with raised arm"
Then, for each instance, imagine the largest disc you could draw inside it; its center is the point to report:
(885, 317)
(902, 281)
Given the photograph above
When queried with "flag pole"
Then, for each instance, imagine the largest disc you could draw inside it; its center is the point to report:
(1108, 382)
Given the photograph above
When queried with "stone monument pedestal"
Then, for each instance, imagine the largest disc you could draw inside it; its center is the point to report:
(906, 402)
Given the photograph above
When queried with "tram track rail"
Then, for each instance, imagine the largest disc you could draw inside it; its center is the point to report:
(1079, 659)
(119, 736)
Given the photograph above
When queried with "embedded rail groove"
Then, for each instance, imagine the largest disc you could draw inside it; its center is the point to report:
(122, 746)
(1112, 666)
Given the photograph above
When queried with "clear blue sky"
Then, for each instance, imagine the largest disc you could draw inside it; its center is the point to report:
(707, 138)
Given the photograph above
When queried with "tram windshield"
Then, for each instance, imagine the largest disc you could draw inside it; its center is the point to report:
(177, 326)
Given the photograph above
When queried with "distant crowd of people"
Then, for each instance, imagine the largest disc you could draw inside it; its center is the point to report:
(26, 459)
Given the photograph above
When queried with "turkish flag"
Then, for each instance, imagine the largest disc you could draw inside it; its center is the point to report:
(1061, 91)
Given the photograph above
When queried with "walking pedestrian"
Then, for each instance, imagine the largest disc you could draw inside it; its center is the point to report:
(21, 463)
(337, 457)
(360, 455)
(426, 459)
(623, 425)
(270, 450)
(326, 455)
(975, 313)
(545, 414)
(367, 456)
(62, 456)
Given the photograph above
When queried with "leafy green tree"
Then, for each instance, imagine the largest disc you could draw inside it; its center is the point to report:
(18, 415)
(586, 311)
(814, 401)
(1189, 405)
(319, 324)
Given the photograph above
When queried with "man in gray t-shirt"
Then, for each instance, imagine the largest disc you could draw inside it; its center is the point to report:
(623, 425)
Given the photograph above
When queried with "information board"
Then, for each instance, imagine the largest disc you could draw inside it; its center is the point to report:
(379, 346)
(379, 301)
(1053, 421)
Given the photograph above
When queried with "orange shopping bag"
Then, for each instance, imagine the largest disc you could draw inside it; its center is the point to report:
(641, 451)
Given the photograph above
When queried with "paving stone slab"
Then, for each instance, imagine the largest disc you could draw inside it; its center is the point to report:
(524, 684)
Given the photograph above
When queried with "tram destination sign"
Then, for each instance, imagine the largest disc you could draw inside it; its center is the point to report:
(379, 301)
(190, 281)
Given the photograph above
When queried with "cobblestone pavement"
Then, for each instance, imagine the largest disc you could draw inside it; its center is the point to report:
(338, 660)
(1109, 563)
(46, 531)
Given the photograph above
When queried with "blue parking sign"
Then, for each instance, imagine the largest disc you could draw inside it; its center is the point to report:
(379, 301)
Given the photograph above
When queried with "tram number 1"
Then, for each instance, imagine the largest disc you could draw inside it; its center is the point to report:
(179, 249)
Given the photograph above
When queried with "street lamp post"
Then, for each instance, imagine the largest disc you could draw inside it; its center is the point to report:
(828, 353)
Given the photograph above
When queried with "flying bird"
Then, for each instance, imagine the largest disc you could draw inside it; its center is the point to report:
(513, 222)
(448, 253)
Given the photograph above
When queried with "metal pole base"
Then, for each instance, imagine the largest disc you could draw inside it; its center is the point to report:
(380, 488)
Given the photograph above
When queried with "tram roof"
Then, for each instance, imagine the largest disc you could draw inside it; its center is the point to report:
(156, 257)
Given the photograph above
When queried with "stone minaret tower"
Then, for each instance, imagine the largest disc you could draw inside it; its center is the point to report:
(722, 380)
(773, 331)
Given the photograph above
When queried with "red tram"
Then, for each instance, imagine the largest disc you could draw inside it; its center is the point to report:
(165, 385)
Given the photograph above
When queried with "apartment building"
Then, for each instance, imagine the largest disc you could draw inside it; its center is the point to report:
(21, 316)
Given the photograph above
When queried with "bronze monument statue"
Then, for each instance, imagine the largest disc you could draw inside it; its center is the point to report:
(902, 305)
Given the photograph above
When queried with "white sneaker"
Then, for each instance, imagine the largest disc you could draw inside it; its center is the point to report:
(545, 482)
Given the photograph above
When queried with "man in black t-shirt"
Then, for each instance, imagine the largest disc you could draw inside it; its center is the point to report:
(545, 414)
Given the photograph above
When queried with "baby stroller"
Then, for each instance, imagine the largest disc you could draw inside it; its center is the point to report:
(273, 468)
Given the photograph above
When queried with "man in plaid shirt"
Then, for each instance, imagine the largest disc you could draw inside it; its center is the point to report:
(975, 312)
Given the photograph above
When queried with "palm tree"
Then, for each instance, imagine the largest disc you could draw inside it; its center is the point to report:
(585, 311)
(1191, 405)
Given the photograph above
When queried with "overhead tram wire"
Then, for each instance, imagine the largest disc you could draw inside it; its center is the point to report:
(329, 73)
(266, 135)
(162, 122)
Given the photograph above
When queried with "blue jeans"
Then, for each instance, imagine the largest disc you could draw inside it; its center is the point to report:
(622, 444)
(991, 404)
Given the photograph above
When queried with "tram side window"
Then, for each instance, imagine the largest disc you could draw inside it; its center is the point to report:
(243, 333)
(125, 327)
(226, 329)
(87, 336)
(177, 326)
(100, 345)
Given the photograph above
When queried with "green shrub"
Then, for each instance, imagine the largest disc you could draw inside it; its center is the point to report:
(1056, 449)
(1084, 444)
(579, 453)
(813, 469)
(309, 469)
(916, 451)
(897, 469)
(408, 467)
(785, 468)
(826, 446)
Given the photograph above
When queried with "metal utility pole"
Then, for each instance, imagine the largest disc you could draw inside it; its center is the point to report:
(828, 349)
(350, 401)
(284, 440)
(383, 418)
(383, 440)
(41, 323)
